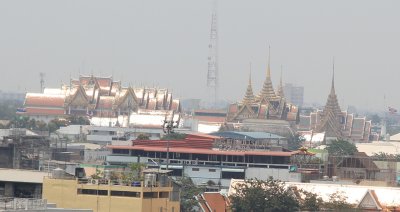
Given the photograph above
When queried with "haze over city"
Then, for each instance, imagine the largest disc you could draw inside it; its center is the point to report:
(165, 43)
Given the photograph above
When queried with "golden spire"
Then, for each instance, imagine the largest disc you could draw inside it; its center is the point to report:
(331, 114)
(268, 90)
(269, 63)
(249, 96)
(279, 92)
(333, 77)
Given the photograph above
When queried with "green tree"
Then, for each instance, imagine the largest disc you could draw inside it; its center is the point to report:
(375, 118)
(338, 202)
(257, 195)
(295, 141)
(310, 201)
(78, 120)
(8, 109)
(174, 136)
(143, 137)
(187, 195)
(341, 148)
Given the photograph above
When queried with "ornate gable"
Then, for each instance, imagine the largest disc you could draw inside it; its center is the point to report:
(78, 98)
(127, 100)
(245, 112)
(370, 201)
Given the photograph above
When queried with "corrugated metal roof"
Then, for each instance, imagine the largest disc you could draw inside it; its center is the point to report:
(247, 135)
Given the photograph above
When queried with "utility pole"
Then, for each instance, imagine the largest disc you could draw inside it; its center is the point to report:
(212, 74)
(168, 127)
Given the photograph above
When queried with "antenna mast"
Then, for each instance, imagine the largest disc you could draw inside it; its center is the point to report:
(41, 74)
(212, 75)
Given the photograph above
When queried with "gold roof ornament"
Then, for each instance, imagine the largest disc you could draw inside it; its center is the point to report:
(268, 90)
(331, 113)
(249, 96)
(280, 92)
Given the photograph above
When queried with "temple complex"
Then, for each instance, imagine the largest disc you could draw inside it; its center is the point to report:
(101, 98)
(335, 123)
(269, 110)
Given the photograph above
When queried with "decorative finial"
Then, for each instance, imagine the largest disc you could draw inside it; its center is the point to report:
(333, 76)
(269, 63)
(281, 84)
(250, 74)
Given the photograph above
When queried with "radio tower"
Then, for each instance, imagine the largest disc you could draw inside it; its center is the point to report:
(41, 81)
(212, 74)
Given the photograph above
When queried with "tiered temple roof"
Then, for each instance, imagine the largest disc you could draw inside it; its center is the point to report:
(267, 105)
(336, 123)
(98, 96)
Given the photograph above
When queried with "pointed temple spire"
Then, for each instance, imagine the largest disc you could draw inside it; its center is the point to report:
(249, 96)
(331, 115)
(280, 92)
(269, 63)
(268, 90)
(333, 77)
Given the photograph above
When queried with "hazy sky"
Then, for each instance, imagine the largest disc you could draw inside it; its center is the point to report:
(165, 43)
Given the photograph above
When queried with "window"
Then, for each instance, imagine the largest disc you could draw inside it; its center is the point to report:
(212, 170)
(148, 195)
(163, 195)
(92, 192)
(195, 169)
(125, 194)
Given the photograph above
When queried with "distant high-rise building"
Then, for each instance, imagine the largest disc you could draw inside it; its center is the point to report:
(294, 94)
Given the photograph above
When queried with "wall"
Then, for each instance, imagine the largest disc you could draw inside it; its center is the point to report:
(64, 194)
(264, 174)
(203, 175)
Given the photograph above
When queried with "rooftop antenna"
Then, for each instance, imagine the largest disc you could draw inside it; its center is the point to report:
(212, 74)
(41, 74)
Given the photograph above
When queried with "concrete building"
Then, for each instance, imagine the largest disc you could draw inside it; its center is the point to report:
(105, 135)
(199, 158)
(21, 183)
(20, 149)
(294, 94)
(107, 195)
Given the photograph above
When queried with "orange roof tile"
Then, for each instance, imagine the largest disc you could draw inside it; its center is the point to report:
(44, 100)
(216, 201)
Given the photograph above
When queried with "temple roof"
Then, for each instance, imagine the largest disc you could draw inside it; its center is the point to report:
(331, 114)
(268, 90)
(279, 92)
(249, 96)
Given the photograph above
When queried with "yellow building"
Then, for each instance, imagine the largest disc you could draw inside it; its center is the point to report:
(103, 195)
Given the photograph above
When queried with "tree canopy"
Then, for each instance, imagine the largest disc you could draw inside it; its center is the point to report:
(174, 136)
(273, 196)
(295, 141)
(187, 195)
(341, 148)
